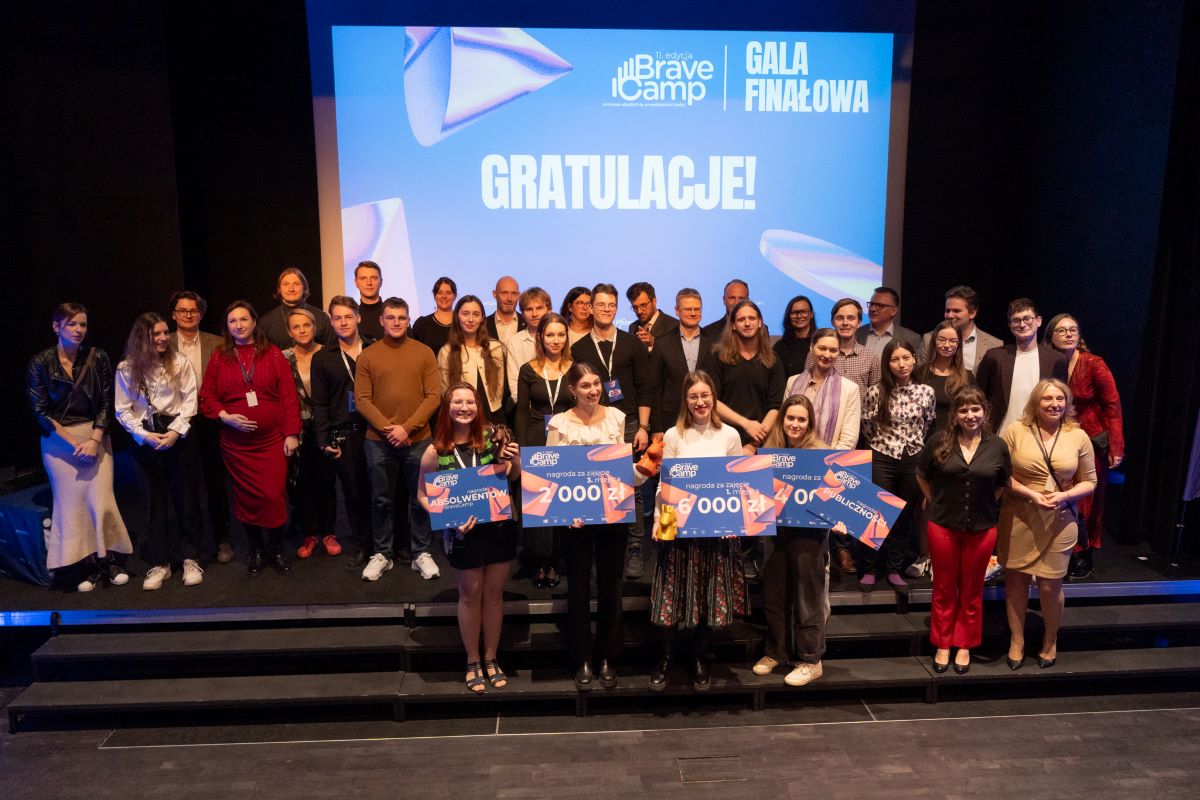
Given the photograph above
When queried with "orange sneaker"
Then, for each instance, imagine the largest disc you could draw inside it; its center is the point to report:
(306, 550)
(331, 545)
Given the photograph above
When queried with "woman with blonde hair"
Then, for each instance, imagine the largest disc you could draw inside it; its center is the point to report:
(697, 583)
(1053, 468)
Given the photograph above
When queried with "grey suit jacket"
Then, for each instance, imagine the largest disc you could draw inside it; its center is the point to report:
(898, 331)
(208, 343)
(983, 343)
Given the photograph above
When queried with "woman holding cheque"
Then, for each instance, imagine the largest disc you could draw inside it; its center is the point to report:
(590, 423)
(796, 576)
(481, 553)
(697, 582)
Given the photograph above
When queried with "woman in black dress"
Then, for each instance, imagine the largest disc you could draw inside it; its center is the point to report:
(542, 393)
(481, 553)
(792, 346)
(433, 330)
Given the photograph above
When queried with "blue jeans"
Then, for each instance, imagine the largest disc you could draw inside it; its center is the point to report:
(386, 466)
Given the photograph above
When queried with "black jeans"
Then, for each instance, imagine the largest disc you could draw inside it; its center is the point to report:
(170, 476)
(898, 476)
(604, 544)
(313, 499)
(351, 470)
(794, 587)
(206, 433)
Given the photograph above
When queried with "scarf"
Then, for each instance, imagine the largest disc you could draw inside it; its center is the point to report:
(827, 403)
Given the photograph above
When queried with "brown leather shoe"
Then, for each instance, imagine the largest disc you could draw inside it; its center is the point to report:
(845, 562)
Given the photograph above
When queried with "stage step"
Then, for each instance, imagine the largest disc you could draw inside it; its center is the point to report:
(182, 694)
(74, 649)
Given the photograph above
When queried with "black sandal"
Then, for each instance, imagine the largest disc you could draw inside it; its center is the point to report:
(477, 684)
(497, 679)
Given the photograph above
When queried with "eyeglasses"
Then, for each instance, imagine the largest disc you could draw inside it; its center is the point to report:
(946, 342)
(881, 305)
(643, 306)
(187, 312)
(698, 398)
(1066, 331)
(604, 306)
(1020, 322)
(800, 312)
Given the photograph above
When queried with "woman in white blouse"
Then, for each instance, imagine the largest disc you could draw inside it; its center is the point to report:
(472, 356)
(698, 583)
(588, 422)
(155, 400)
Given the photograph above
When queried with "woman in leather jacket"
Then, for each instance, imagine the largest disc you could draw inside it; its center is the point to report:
(70, 389)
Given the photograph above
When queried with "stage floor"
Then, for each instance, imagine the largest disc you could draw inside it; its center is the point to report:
(322, 586)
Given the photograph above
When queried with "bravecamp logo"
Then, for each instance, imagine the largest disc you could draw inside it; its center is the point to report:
(684, 470)
(445, 479)
(544, 458)
(662, 79)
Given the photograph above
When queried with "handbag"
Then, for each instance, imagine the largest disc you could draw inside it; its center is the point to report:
(161, 423)
(1100, 442)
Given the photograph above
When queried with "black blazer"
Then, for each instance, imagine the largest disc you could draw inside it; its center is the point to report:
(668, 368)
(490, 321)
(995, 374)
(630, 366)
(661, 327)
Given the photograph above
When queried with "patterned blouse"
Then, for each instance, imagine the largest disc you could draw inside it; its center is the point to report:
(913, 410)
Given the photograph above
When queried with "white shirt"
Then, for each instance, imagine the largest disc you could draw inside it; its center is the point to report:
(968, 349)
(521, 350)
(177, 398)
(1027, 371)
(505, 330)
(702, 442)
(193, 352)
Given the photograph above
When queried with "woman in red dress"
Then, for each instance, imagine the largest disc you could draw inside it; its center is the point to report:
(1098, 409)
(248, 386)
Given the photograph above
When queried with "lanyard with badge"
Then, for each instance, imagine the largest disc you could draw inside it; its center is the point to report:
(612, 386)
(553, 399)
(248, 377)
(350, 404)
(462, 464)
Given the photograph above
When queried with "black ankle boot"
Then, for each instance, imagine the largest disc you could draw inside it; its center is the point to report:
(281, 563)
(607, 675)
(700, 680)
(584, 680)
(660, 674)
(256, 563)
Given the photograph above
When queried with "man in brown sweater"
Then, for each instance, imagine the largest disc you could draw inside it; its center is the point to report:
(397, 389)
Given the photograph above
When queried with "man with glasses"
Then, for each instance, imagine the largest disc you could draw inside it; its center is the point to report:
(650, 321)
(882, 328)
(187, 309)
(674, 357)
(1007, 374)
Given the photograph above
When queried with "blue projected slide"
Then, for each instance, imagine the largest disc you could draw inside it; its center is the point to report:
(567, 157)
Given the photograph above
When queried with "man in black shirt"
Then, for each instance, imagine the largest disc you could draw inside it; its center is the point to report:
(340, 429)
(291, 289)
(650, 321)
(369, 280)
(624, 367)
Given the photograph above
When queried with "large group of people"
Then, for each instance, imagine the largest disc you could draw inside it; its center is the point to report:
(999, 451)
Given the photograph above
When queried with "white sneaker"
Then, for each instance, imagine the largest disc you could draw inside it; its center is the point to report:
(804, 674)
(378, 565)
(155, 577)
(87, 584)
(994, 569)
(424, 565)
(192, 574)
(764, 666)
(918, 568)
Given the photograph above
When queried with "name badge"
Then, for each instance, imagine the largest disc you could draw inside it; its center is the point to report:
(547, 418)
(353, 406)
(613, 388)
(252, 398)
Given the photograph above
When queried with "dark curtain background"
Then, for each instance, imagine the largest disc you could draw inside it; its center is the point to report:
(151, 145)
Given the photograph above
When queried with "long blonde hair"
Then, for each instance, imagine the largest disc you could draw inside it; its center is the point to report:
(777, 437)
(1029, 415)
(684, 421)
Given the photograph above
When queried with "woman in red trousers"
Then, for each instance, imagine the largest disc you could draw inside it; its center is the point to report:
(962, 472)
(1098, 409)
(248, 386)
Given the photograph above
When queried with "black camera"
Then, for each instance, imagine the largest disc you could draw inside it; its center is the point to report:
(338, 440)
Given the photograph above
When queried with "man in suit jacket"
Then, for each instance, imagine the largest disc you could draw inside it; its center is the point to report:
(675, 355)
(962, 303)
(624, 367)
(505, 322)
(187, 309)
(1008, 374)
(736, 291)
(882, 328)
(650, 322)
